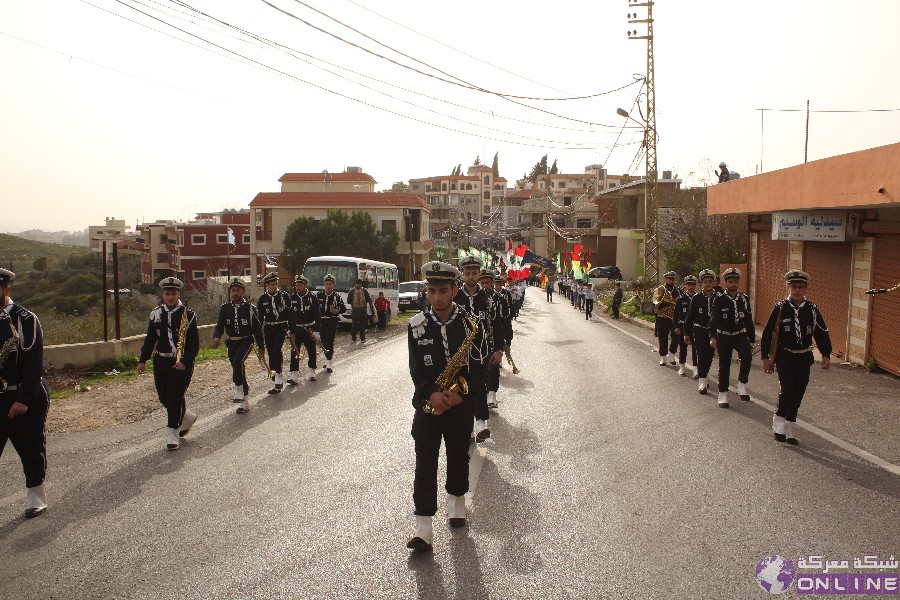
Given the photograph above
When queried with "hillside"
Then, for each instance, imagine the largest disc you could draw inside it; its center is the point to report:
(21, 253)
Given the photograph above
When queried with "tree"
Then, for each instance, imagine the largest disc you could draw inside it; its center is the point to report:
(554, 169)
(340, 233)
(691, 240)
(40, 264)
(477, 162)
(399, 186)
(496, 165)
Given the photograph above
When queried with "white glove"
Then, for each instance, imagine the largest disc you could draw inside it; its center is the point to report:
(316, 335)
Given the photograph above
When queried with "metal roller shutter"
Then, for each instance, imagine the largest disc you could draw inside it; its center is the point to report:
(772, 262)
(829, 267)
(884, 341)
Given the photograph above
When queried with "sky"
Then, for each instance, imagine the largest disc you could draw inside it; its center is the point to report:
(159, 109)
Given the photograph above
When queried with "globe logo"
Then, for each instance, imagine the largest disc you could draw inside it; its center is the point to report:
(775, 574)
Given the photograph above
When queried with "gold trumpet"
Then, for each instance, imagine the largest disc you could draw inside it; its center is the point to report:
(450, 380)
(661, 295)
(261, 356)
(510, 360)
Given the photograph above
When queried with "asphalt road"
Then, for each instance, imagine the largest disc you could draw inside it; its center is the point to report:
(606, 477)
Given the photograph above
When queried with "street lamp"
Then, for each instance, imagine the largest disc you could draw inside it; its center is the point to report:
(412, 265)
(651, 196)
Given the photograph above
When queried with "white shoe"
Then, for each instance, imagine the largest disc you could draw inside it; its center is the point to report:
(424, 529)
(279, 379)
(492, 400)
(671, 358)
(703, 385)
(742, 389)
(186, 423)
(789, 432)
(172, 442)
(662, 361)
(778, 424)
(723, 400)
(243, 407)
(293, 377)
(481, 431)
(35, 501)
(238, 393)
(456, 510)
(311, 374)
(681, 370)
(328, 367)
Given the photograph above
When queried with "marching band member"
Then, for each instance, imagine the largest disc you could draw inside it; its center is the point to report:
(589, 296)
(696, 328)
(239, 320)
(502, 328)
(682, 307)
(24, 396)
(331, 306)
(474, 299)
(305, 328)
(441, 340)
(731, 328)
(172, 332)
(664, 298)
(273, 307)
(793, 325)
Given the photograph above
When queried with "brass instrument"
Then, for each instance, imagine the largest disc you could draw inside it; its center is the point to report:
(9, 346)
(316, 340)
(299, 351)
(661, 295)
(773, 349)
(182, 336)
(876, 291)
(510, 360)
(450, 380)
(261, 357)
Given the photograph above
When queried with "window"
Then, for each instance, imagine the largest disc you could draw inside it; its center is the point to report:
(223, 272)
(452, 186)
(247, 271)
(246, 238)
(388, 225)
(198, 239)
(583, 223)
(486, 209)
(567, 201)
(487, 195)
(198, 274)
(487, 180)
(221, 238)
(163, 258)
(163, 238)
(444, 187)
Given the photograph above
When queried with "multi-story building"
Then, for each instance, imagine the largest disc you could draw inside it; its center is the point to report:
(471, 203)
(196, 250)
(314, 194)
(112, 231)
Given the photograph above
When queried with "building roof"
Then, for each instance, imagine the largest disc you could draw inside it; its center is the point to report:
(481, 169)
(525, 194)
(338, 200)
(636, 184)
(326, 177)
(500, 179)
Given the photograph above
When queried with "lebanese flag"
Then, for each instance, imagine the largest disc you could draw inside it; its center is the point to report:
(576, 251)
(509, 245)
(520, 251)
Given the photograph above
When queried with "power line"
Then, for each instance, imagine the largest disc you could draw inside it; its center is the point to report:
(830, 111)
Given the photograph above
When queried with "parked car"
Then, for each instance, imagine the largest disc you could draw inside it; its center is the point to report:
(598, 274)
(409, 295)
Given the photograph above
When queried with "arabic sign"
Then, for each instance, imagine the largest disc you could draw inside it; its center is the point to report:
(868, 575)
(820, 225)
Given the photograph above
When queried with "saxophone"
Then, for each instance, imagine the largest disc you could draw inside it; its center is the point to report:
(182, 336)
(9, 346)
(450, 380)
(662, 296)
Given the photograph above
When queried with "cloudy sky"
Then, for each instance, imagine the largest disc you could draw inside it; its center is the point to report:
(153, 109)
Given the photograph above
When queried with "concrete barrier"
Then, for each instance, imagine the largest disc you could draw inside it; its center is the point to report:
(80, 356)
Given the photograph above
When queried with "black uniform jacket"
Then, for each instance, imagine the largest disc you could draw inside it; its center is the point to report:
(275, 307)
(699, 312)
(799, 326)
(329, 301)
(431, 346)
(501, 320)
(306, 310)
(23, 361)
(162, 333)
(239, 320)
(732, 315)
(682, 307)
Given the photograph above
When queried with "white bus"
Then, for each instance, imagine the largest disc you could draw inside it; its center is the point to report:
(377, 277)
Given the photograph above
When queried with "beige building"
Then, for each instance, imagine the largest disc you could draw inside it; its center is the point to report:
(472, 203)
(114, 230)
(314, 194)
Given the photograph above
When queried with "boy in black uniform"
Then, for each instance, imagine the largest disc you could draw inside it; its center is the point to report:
(273, 307)
(663, 300)
(798, 322)
(474, 299)
(696, 328)
(435, 336)
(173, 364)
(731, 328)
(305, 328)
(331, 306)
(682, 306)
(239, 320)
(503, 335)
(24, 396)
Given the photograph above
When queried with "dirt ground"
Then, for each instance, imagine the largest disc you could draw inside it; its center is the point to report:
(130, 400)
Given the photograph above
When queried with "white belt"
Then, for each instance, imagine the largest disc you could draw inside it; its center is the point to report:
(166, 354)
(804, 351)
(238, 337)
(274, 322)
(732, 332)
(9, 388)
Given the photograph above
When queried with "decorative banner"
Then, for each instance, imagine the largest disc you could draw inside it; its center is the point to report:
(818, 225)
(530, 258)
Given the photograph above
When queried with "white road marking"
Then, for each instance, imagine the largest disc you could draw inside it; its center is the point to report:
(855, 450)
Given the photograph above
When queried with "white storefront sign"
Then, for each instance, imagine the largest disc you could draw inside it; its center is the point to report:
(816, 225)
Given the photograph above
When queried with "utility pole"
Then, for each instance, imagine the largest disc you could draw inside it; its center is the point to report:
(105, 294)
(651, 187)
(116, 305)
(412, 265)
